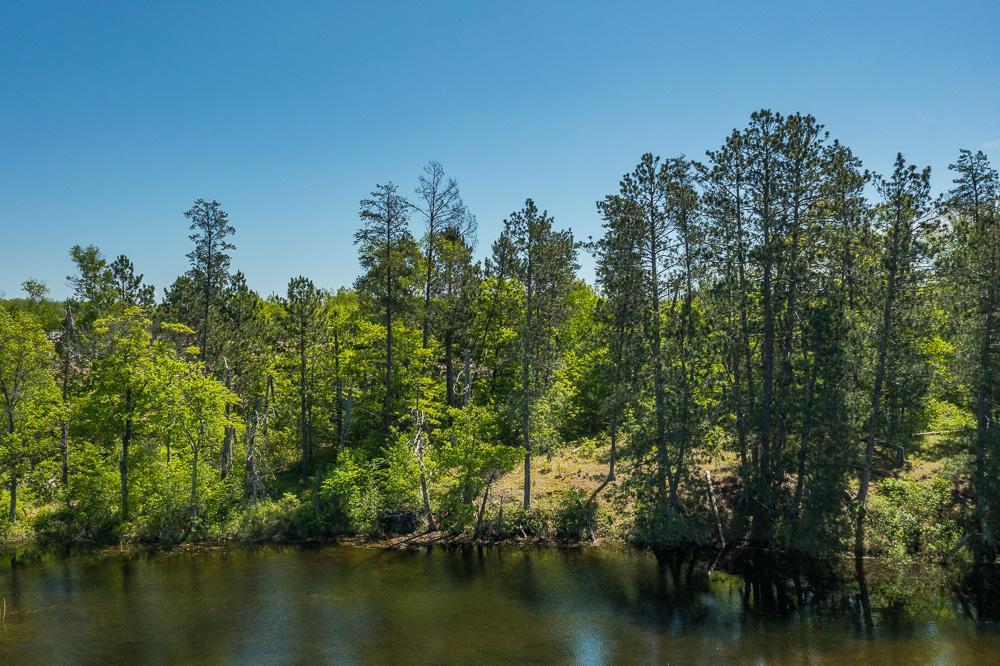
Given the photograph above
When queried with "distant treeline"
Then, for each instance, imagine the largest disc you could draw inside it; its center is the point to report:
(773, 310)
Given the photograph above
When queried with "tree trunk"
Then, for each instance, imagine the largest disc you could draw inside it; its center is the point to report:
(427, 284)
(526, 379)
(662, 459)
(250, 490)
(467, 387)
(612, 459)
(230, 432)
(340, 417)
(13, 498)
(866, 606)
(64, 452)
(424, 493)
(303, 424)
(987, 549)
(340, 391)
(804, 443)
(268, 392)
(194, 474)
(745, 354)
(206, 309)
(875, 414)
(449, 369)
(715, 509)
(68, 333)
(482, 505)
(767, 395)
(347, 419)
(388, 335)
(123, 462)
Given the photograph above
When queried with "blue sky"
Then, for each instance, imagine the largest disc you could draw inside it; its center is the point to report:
(115, 116)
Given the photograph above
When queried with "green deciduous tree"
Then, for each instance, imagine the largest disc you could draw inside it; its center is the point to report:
(28, 395)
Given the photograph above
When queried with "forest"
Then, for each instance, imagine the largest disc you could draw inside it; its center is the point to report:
(779, 350)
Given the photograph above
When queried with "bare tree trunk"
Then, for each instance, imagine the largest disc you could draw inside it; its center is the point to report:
(467, 388)
(482, 505)
(424, 494)
(427, 281)
(715, 509)
(250, 490)
(64, 452)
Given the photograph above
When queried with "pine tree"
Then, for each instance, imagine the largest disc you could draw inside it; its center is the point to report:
(388, 256)
(545, 263)
(645, 193)
(620, 279)
(209, 264)
(905, 203)
(972, 265)
(127, 285)
(302, 307)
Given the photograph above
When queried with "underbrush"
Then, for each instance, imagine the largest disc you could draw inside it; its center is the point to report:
(911, 519)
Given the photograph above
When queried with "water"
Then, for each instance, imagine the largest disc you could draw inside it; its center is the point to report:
(353, 605)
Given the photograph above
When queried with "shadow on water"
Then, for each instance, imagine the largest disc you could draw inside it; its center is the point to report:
(978, 594)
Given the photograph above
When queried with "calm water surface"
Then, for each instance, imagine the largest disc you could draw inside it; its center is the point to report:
(351, 605)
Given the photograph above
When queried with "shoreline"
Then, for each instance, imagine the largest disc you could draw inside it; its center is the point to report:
(720, 560)
(395, 542)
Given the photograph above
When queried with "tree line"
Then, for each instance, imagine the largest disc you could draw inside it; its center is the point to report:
(774, 311)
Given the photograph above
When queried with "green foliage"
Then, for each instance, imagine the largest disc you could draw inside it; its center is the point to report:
(351, 495)
(913, 519)
(28, 397)
(572, 516)
(466, 455)
(754, 315)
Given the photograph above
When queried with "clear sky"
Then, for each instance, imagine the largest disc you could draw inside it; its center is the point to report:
(115, 116)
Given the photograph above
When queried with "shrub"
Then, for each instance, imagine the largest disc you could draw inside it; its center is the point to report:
(912, 518)
(572, 519)
(349, 496)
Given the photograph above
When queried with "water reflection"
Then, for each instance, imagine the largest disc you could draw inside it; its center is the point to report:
(475, 604)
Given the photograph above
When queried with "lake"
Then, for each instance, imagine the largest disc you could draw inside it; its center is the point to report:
(344, 604)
